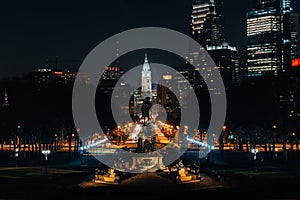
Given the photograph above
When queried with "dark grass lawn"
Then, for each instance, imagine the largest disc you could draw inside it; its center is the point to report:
(34, 183)
(272, 181)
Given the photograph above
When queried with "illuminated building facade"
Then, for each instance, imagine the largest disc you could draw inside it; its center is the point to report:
(268, 38)
(112, 73)
(295, 37)
(227, 60)
(206, 29)
(205, 25)
(296, 62)
(174, 102)
(44, 76)
(109, 78)
(164, 95)
(189, 73)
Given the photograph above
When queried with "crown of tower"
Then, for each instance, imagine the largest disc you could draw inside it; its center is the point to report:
(146, 66)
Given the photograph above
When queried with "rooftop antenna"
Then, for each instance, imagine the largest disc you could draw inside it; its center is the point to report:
(59, 60)
(5, 100)
(54, 61)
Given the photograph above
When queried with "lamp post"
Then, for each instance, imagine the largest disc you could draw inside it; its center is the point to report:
(276, 150)
(221, 138)
(254, 151)
(16, 155)
(46, 153)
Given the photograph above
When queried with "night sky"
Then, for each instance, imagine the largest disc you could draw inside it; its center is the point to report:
(33, 32)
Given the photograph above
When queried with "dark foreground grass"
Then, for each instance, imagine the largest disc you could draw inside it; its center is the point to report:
(34, 183)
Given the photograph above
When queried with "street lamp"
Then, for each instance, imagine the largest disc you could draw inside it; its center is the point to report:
(17, 155)
(254, 151)
(46, 153)
(276, 150)
(224, 128)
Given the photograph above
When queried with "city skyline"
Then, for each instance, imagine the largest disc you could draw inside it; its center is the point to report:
(33, 35)
(150, 113)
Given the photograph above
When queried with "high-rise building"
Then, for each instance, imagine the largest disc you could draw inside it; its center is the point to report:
(112, 73)
(109, 78)
(205, 25)
(227, 59)
(206, 29)
(295, 36)
(189, 73)
(269, 38)
(165, 96)
(287, 98)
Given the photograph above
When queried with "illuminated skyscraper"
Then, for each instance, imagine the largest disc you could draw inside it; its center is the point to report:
(295, 36)
(227, 60)
(205, 25)
(206, 28)
(269, 38)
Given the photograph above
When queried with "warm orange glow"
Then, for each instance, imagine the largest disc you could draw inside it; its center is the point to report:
(58, 73)
(296, 62)
(112, 68)
(224, 128)
(167, 77)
